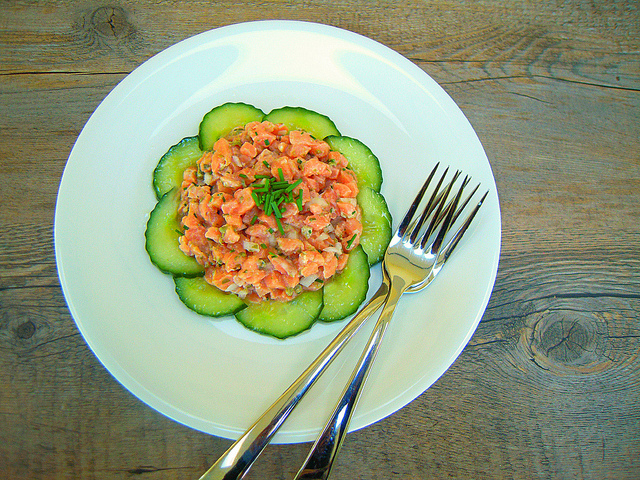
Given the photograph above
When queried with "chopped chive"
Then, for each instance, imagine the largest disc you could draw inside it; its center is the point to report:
(299, 201)
(350, 242)
(293, 185)
(276, 210)
(267, 204)
(254, 219)
(262, 176)
(255, 197)
(280, 226)
(243, 175)
(264, 162)
(281, 174)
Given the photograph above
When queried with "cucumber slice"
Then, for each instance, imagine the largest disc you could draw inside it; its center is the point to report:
(298, 118)
(221, 120)
(283, 319)
(205, 299)
(170, 169)
(376, 224)
(346, 291)
(362, 161)
(163, 230)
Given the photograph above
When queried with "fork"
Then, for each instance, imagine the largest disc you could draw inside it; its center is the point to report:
(409, 265)
(412, 260)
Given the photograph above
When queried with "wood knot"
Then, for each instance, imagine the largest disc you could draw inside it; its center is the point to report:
(106, 28)
(568, 342)
(25, 330)
(110, 23)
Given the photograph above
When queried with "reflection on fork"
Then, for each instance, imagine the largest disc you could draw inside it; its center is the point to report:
(417, 252)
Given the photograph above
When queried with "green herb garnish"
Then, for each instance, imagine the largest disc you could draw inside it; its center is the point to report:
(270, 193)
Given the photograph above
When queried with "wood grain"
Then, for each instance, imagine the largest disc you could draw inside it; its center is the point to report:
(549, 385)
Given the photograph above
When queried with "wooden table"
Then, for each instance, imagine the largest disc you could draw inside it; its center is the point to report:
(549, 385)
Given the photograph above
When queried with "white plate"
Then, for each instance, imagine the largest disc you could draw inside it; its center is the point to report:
(215, 375)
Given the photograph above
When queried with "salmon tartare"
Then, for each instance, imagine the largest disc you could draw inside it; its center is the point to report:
(269, 212)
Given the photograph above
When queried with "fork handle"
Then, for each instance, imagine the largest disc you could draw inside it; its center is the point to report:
(237, 460)
(318, 463)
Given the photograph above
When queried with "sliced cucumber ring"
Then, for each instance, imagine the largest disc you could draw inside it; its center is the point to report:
(376, 224)
(283, 319)
(362, 161)
(346, 291)
(220, 121)
(205, 299)
(298, 118)
(161, 235)
(170, 169)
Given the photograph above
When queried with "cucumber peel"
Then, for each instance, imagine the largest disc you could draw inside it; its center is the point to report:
(344, 293)
(221, 120)
(361, 159)
(161, 239)
(283, 319)
(298, 118)
(376, 224)
(205, 299)
(169, 172)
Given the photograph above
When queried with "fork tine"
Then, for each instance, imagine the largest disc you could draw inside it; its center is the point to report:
(438, 197)
(402, 228)
(441, 210)
(449, 247)
(446, 224)
(465, 203)
(465, 182)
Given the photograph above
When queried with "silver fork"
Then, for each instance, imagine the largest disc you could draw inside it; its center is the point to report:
(411, 262)
(414, 257)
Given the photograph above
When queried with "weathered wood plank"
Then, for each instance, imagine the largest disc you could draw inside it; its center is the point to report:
(548, 386)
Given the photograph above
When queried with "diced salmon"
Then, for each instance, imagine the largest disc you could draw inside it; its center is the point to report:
(234, 221)
(342, 261)
(213, 233)
(248, 149)
(236, 240)
(242, 202)
(258, 231)
(338, 159)
(316, 167)
(283, 265)
(223, 148)
(290, 245)
(250, 272)
(347, 210)
(317, 222)
(285, 165)
(309, 262)
(230, 235)
(330, 265)
(204, 162)
(219, 278)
